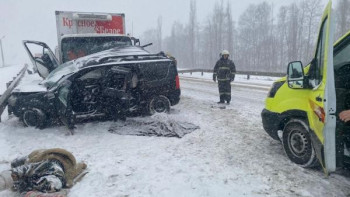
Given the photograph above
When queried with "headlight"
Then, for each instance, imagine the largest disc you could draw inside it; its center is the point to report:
(12, 100)
(275, 86)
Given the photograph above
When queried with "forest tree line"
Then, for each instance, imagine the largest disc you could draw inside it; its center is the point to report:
(264, 38)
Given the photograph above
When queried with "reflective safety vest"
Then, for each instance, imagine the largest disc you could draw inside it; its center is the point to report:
(224, 70)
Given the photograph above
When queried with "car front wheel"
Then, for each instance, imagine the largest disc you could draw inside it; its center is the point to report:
(297, 143)
(34, 117)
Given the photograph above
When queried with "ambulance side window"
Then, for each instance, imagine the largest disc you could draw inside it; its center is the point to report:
(319, 59)
(342, 56)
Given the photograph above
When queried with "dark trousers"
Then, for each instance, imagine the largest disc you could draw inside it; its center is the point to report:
(225, 91)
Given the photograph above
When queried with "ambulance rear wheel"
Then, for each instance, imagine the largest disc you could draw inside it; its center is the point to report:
(297, 144)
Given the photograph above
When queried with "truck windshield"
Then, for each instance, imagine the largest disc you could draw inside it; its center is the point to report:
(75, 47)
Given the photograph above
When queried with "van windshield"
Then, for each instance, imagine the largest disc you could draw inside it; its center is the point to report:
(75, 47)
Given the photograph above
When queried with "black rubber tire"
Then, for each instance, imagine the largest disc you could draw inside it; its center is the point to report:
(297, 144)
(158, 104)
(34, 117)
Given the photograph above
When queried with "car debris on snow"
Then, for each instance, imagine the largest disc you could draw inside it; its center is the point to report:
(156, 125)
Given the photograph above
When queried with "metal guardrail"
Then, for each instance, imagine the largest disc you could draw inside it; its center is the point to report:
(248, 73)
(10, 86)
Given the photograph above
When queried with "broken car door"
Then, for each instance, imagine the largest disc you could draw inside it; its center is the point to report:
(86, 89)
(116, 98)
(64, 104)
(43, 59)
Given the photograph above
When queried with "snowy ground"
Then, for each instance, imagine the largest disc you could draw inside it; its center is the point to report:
(230, 155)
(6, 74)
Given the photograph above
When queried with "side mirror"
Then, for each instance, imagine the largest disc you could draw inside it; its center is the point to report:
(295, 75)
(137, 42)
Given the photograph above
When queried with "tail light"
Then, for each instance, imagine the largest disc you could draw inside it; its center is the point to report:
(177, 82)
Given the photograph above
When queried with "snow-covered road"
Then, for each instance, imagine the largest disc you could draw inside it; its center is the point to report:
(230, 155)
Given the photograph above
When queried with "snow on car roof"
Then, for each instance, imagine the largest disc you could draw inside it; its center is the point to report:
(116, 55)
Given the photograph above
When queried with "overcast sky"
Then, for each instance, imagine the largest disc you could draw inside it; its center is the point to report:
(35, 19)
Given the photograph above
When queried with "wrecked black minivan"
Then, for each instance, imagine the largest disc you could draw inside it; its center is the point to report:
(105, 85)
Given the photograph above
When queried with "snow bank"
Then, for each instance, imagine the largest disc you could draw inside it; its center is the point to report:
(6, 74)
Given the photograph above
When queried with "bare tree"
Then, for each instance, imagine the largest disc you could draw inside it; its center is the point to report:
(159, 33)
(192, 33)
(218, 23)
(229, 28)
(292, 36)
(177, 44)
(260, 40)
(150, 36)
(281, 37)
(343, 17)
(313, 13)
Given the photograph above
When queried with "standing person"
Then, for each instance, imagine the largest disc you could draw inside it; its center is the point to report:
(224, 72)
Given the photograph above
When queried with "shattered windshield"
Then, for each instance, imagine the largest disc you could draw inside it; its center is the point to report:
(75, 47)
(59, 73)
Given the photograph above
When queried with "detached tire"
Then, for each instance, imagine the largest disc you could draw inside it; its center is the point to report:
(158, 104)
(297, 144)
(34, 117)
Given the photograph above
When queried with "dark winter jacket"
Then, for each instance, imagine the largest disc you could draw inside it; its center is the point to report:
(46, 170)
(45, 176)
(70, 165)
(224, 70)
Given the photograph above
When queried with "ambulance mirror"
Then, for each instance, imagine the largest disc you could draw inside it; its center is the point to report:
(295, 75)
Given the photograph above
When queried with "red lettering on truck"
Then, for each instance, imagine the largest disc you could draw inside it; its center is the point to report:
(67, 22)
(86, 23)
(103, 30)
(112, 27)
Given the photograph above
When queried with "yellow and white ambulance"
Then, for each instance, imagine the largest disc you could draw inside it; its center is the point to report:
(302, 108)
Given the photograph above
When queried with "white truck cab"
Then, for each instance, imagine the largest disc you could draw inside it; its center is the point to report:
(84, 33)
